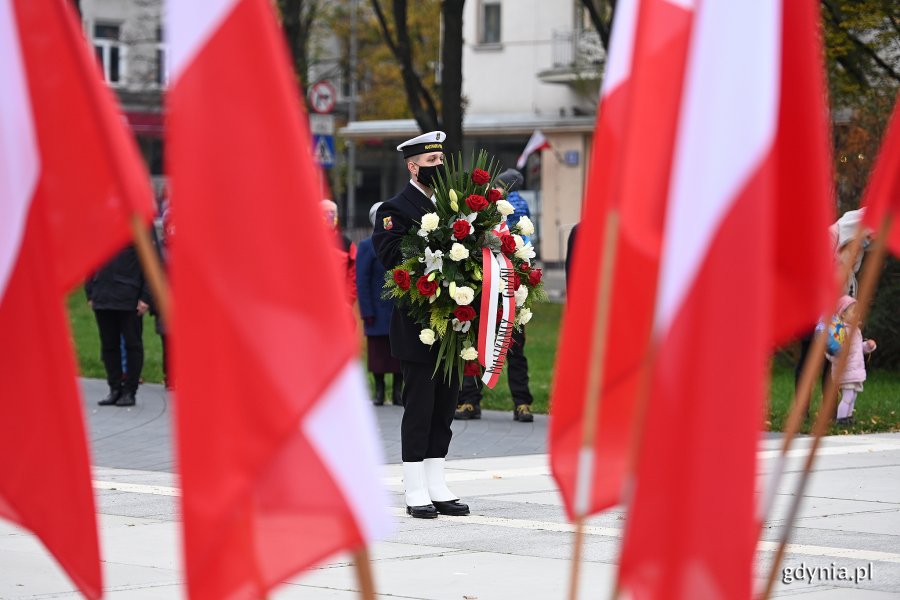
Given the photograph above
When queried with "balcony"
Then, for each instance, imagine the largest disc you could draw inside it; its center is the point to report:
(578, 56)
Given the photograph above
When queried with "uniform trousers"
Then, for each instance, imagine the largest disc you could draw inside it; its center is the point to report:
(115, 325)
(429, 405)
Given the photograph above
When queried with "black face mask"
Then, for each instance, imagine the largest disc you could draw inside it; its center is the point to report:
(428, 175)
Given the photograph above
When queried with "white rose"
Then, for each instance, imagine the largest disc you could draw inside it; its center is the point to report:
(505, 207)
(458, 252)
(469, 353)
(526, 252)
(524, 316)
(430, 222)
(464, 295)
(427, 336)
(525, 226)
(519, 241)
(521, 295)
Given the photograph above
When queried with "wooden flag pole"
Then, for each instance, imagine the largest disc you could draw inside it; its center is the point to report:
(871, 273)
(584, 473)
(151, 266)
(364, 573)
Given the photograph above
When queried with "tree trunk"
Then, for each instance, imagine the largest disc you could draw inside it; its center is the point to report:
(451, 74)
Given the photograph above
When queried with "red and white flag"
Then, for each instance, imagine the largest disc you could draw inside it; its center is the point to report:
(68, 170)
(627, 185)
(882, 196)
(745, 266)
(536, 143)
(277, 442)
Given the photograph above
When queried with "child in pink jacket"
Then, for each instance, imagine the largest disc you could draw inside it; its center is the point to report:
(851, 383)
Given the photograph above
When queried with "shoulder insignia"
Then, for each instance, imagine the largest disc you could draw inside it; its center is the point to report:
(388, 224)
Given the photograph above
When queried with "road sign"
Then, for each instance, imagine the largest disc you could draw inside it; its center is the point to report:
(321, 124)
(322, 97)
(323, 149)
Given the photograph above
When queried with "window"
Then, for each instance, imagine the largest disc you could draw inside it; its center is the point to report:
(110, 52)
(162, 68)
(490, 23)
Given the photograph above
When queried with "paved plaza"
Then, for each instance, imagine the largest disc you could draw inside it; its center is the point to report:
(516, 544)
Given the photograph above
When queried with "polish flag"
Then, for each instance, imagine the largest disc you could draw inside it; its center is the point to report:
(536, 143)
(624, 206)
(745, 266)
(278, 448)
(70, 176)
(883, 192)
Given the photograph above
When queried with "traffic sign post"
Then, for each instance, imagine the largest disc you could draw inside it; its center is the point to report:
(323, 150)
(322, 97)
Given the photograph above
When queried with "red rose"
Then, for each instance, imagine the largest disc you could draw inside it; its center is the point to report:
(480, 177)
(507, 243)
(425, 287)
(461, 229)
(401, 278)
(464, 313)
(517, 281)
(476, 202)
(494, 194)
(471, 369)
(525, 267)
(534, 277)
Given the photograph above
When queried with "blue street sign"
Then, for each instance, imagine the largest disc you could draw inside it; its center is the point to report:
(323, 150)
(572, 157)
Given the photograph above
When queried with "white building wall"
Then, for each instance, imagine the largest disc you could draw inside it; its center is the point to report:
(501, 78)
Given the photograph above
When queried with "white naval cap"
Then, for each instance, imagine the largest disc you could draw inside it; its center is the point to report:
(427, 142)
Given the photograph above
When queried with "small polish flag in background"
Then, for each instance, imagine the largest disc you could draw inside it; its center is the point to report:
(536, 143)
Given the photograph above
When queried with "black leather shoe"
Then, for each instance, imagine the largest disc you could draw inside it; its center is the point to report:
(126, 399)
(111, 398)
(454, 508)
(422, 512)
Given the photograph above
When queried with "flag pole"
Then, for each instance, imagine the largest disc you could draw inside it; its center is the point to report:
(870, 276)
(584, 473)
(151, 266)
(364, 573)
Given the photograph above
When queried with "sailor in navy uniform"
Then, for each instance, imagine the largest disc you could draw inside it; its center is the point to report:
(429, 403)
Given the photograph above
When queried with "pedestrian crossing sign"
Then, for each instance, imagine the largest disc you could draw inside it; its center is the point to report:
(323, 150)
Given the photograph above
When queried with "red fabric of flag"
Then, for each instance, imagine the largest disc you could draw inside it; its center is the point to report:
(279, 463)
(882, 196)
(744, 266)
(630, 163)
(69, 177)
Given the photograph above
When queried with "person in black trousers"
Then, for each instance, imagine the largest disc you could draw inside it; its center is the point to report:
(429, 403)
(119, 296)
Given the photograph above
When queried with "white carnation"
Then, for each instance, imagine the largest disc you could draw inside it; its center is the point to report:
(521, 295)
(526, 252)
(525, 226)
(524, 316)
(464, 295)
(505, 208)
(426, 336)
(430, 222)
(469, 353)
(458, 252)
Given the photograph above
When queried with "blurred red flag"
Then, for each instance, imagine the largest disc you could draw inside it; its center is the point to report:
(882, 196)
(277, 443)
(70, 176)
(745, 266)
(629, 172)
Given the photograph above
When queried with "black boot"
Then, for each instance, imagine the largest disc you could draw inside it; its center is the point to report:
(379, 389)
(112, 397)
(397, 395)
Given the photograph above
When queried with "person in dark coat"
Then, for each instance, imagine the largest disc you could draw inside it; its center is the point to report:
(429, 402)
(119, 296)
(376, 315)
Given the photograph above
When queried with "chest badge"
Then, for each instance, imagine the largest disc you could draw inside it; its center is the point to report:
(388, 224)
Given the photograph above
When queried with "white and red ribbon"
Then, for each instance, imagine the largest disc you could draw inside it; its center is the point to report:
(495, 332)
